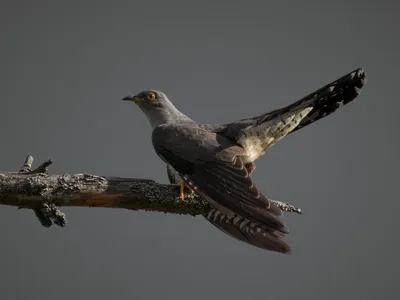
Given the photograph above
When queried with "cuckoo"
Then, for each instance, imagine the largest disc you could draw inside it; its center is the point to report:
(216, 160)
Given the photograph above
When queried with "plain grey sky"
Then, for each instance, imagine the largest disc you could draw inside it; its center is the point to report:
(65, 65)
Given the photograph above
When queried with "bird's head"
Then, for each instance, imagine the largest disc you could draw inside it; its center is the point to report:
(156, 105)
(148, 99)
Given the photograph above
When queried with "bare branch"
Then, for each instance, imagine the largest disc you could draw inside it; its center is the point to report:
(44, 192)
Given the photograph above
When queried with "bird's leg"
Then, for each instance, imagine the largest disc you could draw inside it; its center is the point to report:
(184, 185)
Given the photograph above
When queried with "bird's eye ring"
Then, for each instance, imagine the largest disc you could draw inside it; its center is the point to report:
(151, 96)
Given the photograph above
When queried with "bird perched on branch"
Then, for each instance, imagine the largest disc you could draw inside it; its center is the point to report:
(216, 160)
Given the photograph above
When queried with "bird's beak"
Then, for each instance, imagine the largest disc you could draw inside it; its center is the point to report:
(132, 98)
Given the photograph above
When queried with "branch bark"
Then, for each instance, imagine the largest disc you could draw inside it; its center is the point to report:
(43, 192)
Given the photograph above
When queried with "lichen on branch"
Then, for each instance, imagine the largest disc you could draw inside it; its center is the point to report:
(44, 193)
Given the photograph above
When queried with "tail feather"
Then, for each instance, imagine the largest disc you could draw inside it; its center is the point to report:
(258, 133)
(325, 100)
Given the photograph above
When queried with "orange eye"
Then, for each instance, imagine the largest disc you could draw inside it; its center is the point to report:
(151, 96)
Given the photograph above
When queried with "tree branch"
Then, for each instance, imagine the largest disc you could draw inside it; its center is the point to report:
(43, 192)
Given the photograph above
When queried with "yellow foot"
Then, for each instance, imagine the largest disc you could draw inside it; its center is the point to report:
(183, 186)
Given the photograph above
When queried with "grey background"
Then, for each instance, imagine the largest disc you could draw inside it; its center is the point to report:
(65, 67)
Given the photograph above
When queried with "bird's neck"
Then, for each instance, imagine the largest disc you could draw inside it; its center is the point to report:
(164, 116)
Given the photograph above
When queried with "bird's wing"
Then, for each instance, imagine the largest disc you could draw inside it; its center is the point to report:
(267, 129)
(214, 167)
(252, 233)
(239, 227)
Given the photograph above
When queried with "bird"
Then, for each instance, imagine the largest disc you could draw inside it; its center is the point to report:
(216, 161)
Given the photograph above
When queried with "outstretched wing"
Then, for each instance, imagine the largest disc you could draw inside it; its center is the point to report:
(214, 167)
(261, 132)
(240, 228)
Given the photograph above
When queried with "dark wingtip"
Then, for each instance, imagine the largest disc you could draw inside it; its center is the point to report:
(287, 251)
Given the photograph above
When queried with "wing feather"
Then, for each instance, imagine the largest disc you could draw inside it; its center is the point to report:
(249, 232)
(214, 165)
(240, 228)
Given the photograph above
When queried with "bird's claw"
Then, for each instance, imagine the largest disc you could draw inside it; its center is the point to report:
(184, 185)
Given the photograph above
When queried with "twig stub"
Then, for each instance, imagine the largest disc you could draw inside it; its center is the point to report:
(42, 168)
(27, 166)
